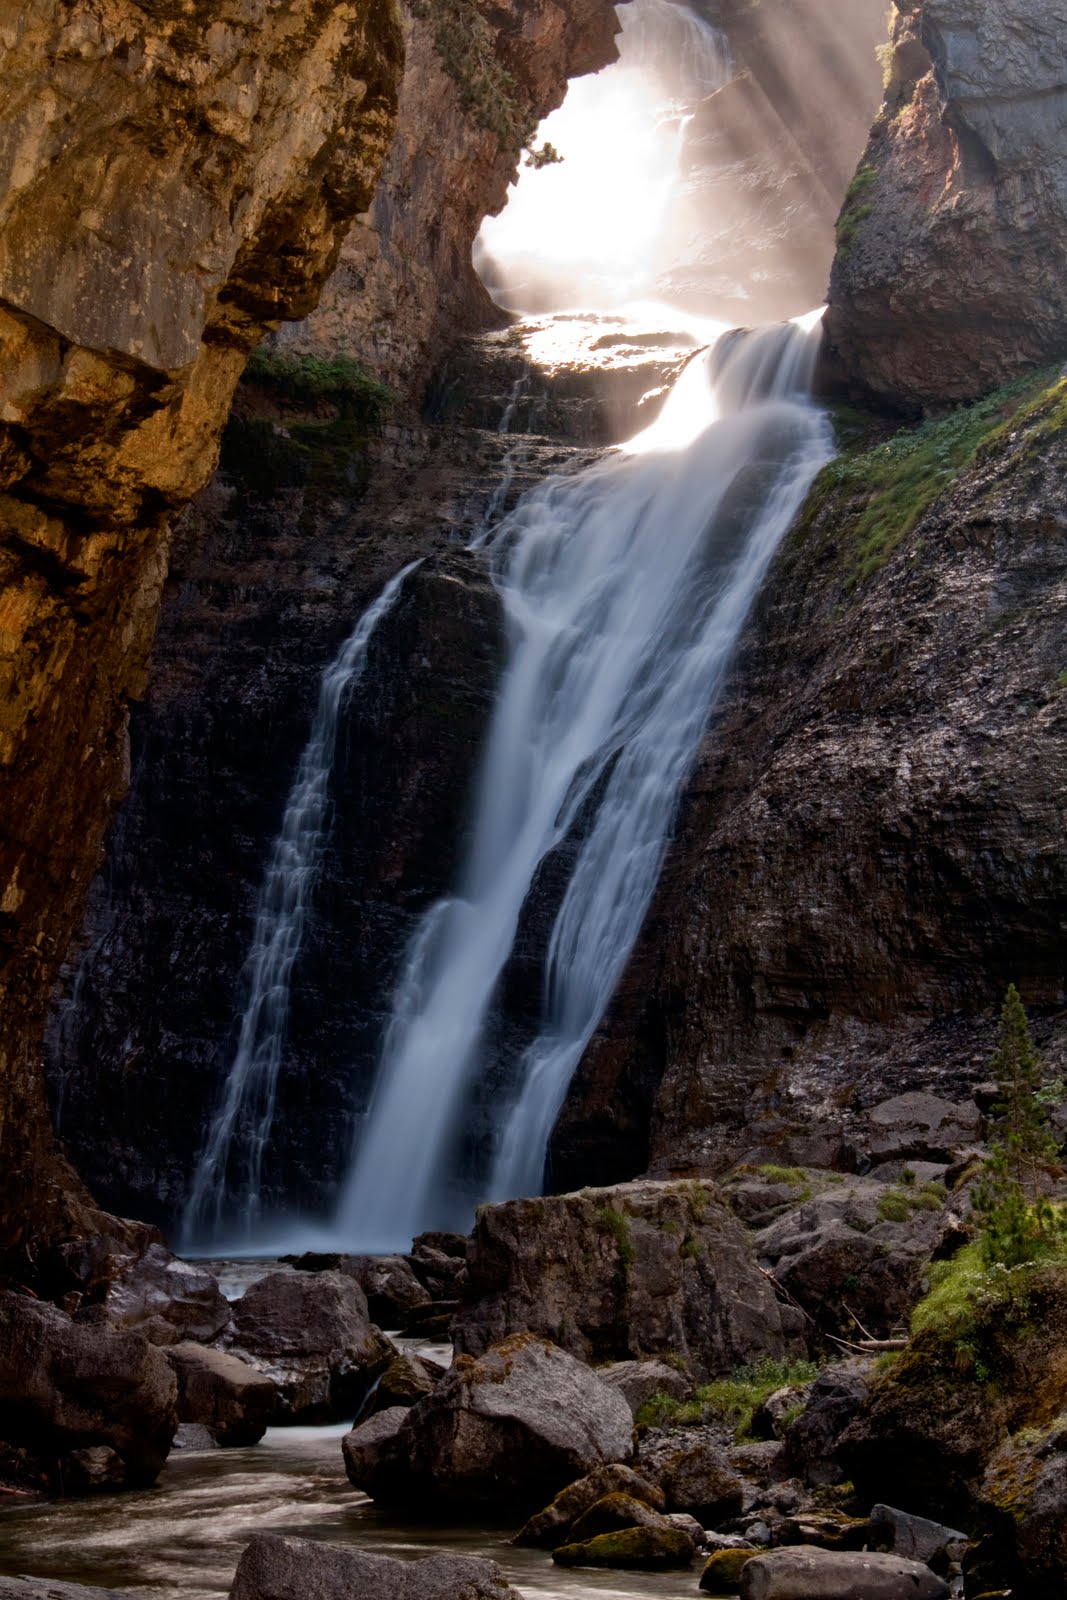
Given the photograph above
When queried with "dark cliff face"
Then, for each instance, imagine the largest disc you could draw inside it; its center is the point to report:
(180, 204)
(196, 193)
(950, 272)
(871, 847)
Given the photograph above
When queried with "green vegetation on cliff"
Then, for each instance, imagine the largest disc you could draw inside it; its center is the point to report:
(465, 40)
(882, 491)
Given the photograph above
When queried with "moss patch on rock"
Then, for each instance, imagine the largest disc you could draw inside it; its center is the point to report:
(637, 1549)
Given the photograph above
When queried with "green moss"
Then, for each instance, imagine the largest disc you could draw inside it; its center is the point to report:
(855, 210)
(693, 1249)
(722, 1570)
(971, 1304)
(773, 1174)
(639, 1549)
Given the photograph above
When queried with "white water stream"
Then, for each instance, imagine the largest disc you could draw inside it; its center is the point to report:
(625, 589)
(224, 1197)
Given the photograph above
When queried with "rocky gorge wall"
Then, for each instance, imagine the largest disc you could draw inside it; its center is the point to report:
(309, 516)
(173, 183)
(949, 275)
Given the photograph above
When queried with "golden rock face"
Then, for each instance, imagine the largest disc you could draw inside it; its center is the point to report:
(175, 179)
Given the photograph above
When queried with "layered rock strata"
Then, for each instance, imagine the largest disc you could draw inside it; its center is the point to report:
(952, 257)
(171, 188)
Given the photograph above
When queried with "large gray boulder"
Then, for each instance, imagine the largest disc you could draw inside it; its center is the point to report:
(638, 1271)
(310, 1334)
(223, 1393)
(166, 1298)
(507, 1430)
(803, 1573)
(370, 1453)
(694, 1474)
(922, 1127)
(94, 1405)
(277, 1568)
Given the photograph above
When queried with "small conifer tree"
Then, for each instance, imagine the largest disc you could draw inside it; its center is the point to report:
(1017, 1222)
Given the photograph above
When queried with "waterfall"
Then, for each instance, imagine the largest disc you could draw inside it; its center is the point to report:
(625, 589)
(239, 1132)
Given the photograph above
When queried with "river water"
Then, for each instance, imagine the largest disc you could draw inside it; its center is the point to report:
(185, 1536)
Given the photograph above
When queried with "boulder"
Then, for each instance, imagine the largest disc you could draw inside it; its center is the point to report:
(437, 1260)
(695, 1475)
(923, 1127)
(801, 1573)
(764, 1461)
(166, 1298)
(277, 1568)
(311, 1335)
(84, 1391)
(774, 1415)
(405, 1381)
(638, 1271)
(393, 1291)
(1024, 1495)
(222, 1393)
(369, 1451)
(837, 1395)
(551, 1527)
(511, 1428)
(638, 1549)
(638, 1381)
(915, 1538)
(723, 1569)
(689, 1525)
(615, 1512)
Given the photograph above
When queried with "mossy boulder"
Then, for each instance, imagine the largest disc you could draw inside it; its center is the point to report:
(722, 1571)
(638, 1549)
(612, 1514)
(551, 1527)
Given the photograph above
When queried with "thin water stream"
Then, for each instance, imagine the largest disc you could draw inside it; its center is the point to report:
(186, 1535)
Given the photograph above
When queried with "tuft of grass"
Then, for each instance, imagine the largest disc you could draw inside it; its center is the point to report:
(897, 1205)
(773, 1174)
(663, 1411)
(618, 1226)
(735, 1400)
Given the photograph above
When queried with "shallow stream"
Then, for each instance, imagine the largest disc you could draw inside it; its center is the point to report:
(185, 1536)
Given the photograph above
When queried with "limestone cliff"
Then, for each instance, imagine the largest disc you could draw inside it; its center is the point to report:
(174, 181)
(951, 272)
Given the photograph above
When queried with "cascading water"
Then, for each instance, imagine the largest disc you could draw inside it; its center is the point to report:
(225, 1191)
(625, 590)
